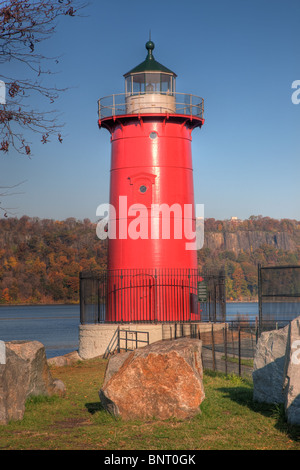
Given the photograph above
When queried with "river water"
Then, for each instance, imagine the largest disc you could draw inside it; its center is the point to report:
(57, 326)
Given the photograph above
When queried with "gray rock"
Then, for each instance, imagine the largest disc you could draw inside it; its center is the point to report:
(292, 374)
(59, 388)
(65, 360)
(24, 374)
(268, 366)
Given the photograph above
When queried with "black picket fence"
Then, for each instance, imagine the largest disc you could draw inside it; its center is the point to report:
(228, 348)
(152, 296)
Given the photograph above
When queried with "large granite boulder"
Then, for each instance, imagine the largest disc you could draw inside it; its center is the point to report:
(161, 380)
(292, 374)
(276, 370)
(25, 373)
(268, 366)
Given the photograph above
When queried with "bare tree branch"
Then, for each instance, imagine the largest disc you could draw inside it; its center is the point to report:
(7, 210)
(23, 26)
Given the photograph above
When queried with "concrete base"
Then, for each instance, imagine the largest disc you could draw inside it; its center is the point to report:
(102, 338)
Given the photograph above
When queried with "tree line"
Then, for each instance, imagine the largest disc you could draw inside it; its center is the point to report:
(40, 259)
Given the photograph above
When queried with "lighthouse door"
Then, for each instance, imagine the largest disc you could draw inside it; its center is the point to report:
(142, 297)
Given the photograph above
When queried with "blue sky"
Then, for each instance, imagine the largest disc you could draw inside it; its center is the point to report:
(241, 56)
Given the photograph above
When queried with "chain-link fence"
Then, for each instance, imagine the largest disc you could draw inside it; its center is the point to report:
(278, 295)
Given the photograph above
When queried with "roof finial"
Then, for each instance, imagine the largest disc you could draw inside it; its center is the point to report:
(150, 46)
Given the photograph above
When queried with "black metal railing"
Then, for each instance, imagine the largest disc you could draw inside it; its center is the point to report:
(128, 340)
(229, 348)
(118, 104)
(152, 296)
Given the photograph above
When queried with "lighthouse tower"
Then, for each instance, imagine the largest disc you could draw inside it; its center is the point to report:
(152, 265)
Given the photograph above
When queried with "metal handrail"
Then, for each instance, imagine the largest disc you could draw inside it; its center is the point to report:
(116, 104)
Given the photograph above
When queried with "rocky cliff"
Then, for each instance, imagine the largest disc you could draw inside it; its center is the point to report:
(248, 240)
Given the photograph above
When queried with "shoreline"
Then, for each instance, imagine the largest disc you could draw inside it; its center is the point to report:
(39, 305)
(78, 303)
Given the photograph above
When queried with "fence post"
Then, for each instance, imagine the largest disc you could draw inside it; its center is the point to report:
(81, 296)
(232, 338)
(225, 347)
(121, 296)
(259, 299)
(156, 299)
(213, 347)
(239, 332)
(99, 300)
(215, 301)
(223, 295)
(189, 299)
(252, 345)
(256, 330)
(115, 301)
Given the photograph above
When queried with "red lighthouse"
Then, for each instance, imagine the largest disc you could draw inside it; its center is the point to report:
(152, 265)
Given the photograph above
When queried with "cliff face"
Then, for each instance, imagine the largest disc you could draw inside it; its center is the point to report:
(248, 240)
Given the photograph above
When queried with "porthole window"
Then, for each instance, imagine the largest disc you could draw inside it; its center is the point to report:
(143, 189)
(153, 135)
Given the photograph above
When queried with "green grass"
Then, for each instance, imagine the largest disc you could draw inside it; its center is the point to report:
(229, 419)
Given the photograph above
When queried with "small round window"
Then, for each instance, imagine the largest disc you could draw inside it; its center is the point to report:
(143, 189)
(153, 135)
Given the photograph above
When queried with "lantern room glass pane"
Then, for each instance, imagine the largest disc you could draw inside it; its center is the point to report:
(166, 83)
(138, 83)
(128, 87)
(152, 82)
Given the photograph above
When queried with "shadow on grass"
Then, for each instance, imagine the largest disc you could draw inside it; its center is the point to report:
(94, 407)
(100, 414)
(243, 395)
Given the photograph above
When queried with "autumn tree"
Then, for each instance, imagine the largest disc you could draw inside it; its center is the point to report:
(24, 25)
(239, 283)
